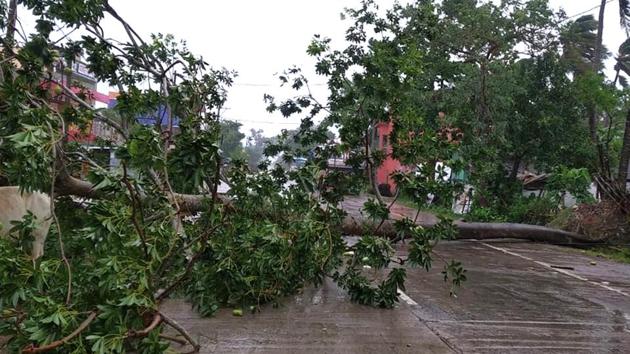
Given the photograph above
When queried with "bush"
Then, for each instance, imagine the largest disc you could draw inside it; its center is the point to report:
(533, 210)
(575, 181)
(484, 214)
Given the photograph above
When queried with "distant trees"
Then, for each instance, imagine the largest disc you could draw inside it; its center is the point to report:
(231, 139)
(255, 147)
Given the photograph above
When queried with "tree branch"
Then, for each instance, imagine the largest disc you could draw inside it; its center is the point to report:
(203, 239)
(173, 339)
(101, 117)
(32, 349)
(62, 249)
(157, 319)
(182, 331)
(135, 204)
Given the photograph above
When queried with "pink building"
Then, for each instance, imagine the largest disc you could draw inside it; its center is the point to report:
(390, 165)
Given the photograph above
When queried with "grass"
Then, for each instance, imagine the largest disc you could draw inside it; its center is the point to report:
(615, 253)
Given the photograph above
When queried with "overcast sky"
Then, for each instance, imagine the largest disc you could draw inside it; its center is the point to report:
(261, 38)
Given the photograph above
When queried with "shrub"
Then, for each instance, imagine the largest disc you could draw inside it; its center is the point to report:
(533, 210)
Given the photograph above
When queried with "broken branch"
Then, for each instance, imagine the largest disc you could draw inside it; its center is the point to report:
(32, 349)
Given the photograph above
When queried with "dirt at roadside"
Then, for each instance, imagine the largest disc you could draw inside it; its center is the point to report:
(601, 221)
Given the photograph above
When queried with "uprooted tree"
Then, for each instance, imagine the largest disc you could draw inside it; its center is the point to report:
(126, 244)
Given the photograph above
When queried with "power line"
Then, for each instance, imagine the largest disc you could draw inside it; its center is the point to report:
(585, 12)
(260, 121)
(251, 84)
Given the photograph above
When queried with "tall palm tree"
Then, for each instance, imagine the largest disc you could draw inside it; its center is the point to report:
(581, 50)
(623, 64)
(579, 40)
(624, 21)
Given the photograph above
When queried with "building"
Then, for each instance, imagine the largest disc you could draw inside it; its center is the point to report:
(386, 184)
(384, 181)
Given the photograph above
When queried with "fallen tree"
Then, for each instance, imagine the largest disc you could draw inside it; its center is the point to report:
(357, 224)
(476, 230)
(131, 246)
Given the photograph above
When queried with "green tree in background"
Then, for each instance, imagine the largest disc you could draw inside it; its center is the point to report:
(231, 139)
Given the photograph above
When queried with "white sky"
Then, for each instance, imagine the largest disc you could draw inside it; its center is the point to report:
(256, 38)
(261, 38)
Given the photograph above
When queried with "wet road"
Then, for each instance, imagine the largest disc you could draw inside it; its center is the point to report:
(520, 298)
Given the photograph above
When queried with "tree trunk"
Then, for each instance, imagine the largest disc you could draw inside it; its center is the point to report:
(476, 230)
(11, 20)
(68, 185)
(624, 156)
(617, 72)
(515, 166)
(371, 169)
(597, 58)
(592, 110)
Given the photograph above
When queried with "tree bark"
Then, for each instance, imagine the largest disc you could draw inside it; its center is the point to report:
(597, 56)
(476, 230)
(592, 111)
(11, 20)
(69, 185)
(515, 166)
(624, 156)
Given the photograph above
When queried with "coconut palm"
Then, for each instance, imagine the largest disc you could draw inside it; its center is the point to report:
(579, 40)
(623, 64)
(624, 21)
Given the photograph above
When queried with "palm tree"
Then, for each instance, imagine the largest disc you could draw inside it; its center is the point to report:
(623, 64)
(579, 40)
(624, 21)
(583, 53)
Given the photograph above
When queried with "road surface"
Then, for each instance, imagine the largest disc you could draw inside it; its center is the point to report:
(520, 297)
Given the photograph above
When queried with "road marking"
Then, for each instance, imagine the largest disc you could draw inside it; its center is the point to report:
(563, 271)
(404, 297)
(509, 348)
(521, 322)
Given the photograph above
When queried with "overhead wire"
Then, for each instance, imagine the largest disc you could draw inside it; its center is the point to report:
(584, 12)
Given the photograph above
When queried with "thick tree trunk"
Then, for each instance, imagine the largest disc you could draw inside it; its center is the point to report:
(476, 230)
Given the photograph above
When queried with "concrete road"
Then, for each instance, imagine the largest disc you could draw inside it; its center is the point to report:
(527, 298)
(520, 298)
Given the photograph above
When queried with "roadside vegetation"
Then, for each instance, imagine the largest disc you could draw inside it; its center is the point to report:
(615, 253)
